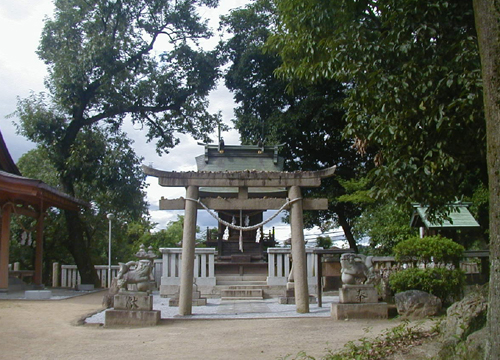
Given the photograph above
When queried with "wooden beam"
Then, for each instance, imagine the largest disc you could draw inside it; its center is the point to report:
(243, 204)
(4, 248)
(240, 178)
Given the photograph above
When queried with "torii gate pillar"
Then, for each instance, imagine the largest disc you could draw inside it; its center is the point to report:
(188, 249)
(298, 251)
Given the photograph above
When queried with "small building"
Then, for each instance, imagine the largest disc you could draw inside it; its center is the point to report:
(458, 218)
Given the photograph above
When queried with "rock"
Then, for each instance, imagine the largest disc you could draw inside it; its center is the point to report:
(464, 334)
(466, 316)
(416, 304)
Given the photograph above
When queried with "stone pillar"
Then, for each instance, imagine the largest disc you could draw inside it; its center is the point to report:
(39, 251)
(4, 248)
(298, 251)
(55, 274)
(188, 246)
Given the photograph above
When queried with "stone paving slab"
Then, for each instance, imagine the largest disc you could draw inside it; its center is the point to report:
(243, 309)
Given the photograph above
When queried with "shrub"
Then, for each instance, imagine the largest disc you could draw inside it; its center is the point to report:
(437, 249)
(442, 279)
(446, 284)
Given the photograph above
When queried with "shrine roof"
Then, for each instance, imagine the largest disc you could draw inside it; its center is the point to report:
(459, 217)
(239, 158)
(6, 162)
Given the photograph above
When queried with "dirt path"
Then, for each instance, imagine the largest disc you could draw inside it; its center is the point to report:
(49, 330)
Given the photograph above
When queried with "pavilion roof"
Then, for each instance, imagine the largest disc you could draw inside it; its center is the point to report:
(25, 191)
(459, 217)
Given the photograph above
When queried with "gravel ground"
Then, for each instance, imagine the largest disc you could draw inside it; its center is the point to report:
(50, 330)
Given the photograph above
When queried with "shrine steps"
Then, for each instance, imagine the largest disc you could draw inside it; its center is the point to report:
(242, 292)
(242, 287)
(242, 280)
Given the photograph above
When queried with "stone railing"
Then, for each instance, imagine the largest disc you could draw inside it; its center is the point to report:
(69, 276)
(279, 265)
(204, 269)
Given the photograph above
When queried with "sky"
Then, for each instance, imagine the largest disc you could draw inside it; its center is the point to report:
(22, 72)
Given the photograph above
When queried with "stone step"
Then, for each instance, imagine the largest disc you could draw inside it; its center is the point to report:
(241, 278)
(242, 283)
(240, 298)
(240, 293)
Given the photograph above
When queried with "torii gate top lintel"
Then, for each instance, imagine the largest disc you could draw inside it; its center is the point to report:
(246, 178)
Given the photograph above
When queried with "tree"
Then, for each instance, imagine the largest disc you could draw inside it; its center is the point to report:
(103, 69)
(414, 90)
(386, 225)
(487, 15)
(108, 174)
(309, 121)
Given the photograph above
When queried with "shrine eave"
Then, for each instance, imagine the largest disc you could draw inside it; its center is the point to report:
(247, 178)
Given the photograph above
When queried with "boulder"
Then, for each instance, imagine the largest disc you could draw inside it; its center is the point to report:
(466, 316)
(416, 304)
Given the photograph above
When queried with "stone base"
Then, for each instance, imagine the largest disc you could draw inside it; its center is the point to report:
(359, 311)
(85, 287)
(353, 294)
(133, 301)
(290, 300)
(196, 300)
(37, 294)
(131, 318)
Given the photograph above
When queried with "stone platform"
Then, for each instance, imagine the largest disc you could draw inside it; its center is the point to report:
(359, 311)
(132, 309)
(358, 302)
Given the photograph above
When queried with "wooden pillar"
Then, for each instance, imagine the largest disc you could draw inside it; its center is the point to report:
(37, 279)
(4, 248)
(298, 251)
(188, 250)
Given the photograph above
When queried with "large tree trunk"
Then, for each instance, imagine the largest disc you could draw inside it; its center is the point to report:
(487, 16)
(347, 231)
(79, 249)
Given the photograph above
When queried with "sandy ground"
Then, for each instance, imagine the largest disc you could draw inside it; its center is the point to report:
(54, 330)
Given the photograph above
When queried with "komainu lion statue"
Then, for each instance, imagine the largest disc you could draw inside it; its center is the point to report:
(139, 276)
(356, 269)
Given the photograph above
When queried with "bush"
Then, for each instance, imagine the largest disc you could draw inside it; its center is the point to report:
(437, 249)
(446, 284)
(442, 280)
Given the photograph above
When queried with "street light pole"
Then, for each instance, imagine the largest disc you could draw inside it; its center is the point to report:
(110, 217)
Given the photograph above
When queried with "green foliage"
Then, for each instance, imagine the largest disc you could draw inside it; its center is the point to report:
(103, 67)
(324, 241)
(107, 174)
(308, 122)
(446, 284)
(385, 224)
(437, 249)
(442, 280)
(412, 71)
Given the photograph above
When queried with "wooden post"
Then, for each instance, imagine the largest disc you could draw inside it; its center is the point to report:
(188, 249)
(37, 279)
(298, 251)
(4, 249)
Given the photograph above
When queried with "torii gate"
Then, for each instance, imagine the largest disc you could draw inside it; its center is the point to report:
(242, 180)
